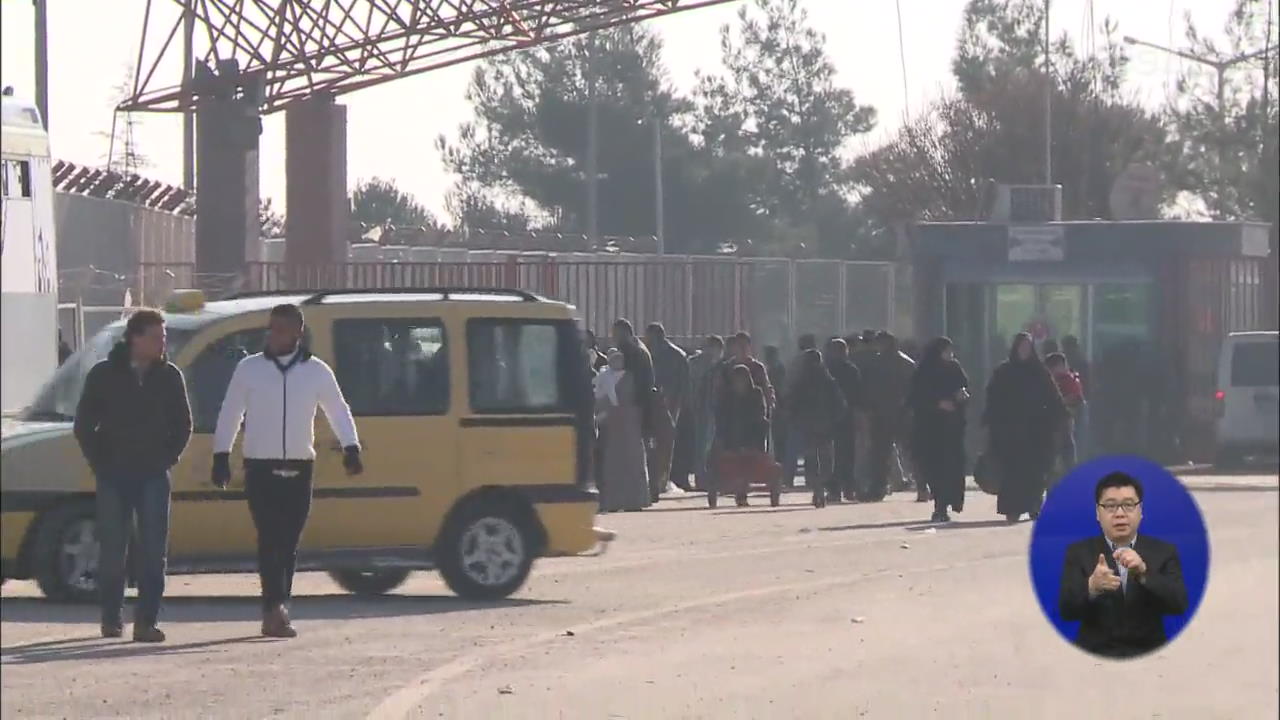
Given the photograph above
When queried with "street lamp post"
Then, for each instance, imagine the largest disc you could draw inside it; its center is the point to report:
(1048, 102)
(659, 200)
(1220, 66)
(42, 60)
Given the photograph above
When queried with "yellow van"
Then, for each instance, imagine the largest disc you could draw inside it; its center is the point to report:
(473, 407)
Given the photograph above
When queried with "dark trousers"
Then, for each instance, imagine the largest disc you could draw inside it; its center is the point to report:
(819, 460)
(279, 505)
(884, 432)
(845, 455)
(120, 498)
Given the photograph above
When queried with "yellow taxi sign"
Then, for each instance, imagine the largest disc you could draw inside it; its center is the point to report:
(184, 301)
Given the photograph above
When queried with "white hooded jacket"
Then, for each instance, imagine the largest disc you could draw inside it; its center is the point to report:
(277, 400)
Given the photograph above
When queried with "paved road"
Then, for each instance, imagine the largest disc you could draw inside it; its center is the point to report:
(852, 611)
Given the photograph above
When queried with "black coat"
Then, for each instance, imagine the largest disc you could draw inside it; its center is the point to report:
(742, 422)
(849, 379)
(1117, 624)
(126, 425)
(1024, 411)
(817, 405)
(930, 385)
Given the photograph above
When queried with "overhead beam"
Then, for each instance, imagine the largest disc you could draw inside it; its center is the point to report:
(302, 47)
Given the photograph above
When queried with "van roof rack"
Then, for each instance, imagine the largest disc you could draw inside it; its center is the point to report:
(315, 296)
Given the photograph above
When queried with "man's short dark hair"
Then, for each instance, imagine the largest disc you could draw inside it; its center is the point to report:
(808, 341)
(838, 347)
(1055, 360)
(656, 329)
(743, 336)
(1117, 479)
(624, 324)
(140, 322)
(288, 311)
(868, 336)
(714, 340)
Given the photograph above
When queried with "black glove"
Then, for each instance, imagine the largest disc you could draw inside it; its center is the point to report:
(221, 475)
(351, 460)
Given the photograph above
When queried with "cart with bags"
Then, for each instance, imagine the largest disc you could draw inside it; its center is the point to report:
(738, 472)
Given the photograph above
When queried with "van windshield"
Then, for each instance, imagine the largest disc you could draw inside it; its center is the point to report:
(57, 400)
(1253, 364)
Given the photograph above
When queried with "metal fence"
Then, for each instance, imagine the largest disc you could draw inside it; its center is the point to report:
(774, 299)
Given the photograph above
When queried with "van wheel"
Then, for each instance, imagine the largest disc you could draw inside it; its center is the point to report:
(486, 552)
(65, 554)
(369, 582)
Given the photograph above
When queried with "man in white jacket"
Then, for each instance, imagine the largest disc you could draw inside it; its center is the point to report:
(276, 393)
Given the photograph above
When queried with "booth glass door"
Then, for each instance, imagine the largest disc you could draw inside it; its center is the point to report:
(1046, 311)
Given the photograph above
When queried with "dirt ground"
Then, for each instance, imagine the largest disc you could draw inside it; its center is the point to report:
(851, 611)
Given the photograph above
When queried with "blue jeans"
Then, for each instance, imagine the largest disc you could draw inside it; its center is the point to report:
(120, 498)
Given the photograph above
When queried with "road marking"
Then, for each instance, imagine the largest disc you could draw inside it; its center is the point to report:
(400, 703)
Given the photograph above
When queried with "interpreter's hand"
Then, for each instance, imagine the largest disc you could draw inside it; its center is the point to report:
(1129, 558)
(1103, 578)
(947, 405)
(351, 460)
(221, 474)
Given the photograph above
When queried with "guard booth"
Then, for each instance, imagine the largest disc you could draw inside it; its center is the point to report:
(1149, 302)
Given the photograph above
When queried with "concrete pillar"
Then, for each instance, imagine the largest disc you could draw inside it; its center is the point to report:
(318, 221)
(227, 234)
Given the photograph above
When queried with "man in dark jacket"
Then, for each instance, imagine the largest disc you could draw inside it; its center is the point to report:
(655, 423)
(887, 377)
(1119, 586)
(132, 423)
(671, 378)
(850, 381)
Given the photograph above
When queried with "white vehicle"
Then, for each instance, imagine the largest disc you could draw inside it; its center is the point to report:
(1248, 396)
(28, 256)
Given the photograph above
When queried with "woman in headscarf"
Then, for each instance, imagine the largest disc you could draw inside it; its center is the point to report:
(938, 397)
(1023, 414)
(624, 476)
(742, 431)
(815, 408)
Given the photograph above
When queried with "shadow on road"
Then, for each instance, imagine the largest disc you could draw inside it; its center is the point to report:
(921, 525)
(871, 526)
(226, 608)
(733, 510)
(1197, 488)
(99, 649)
(1249, 470)
(961, 525)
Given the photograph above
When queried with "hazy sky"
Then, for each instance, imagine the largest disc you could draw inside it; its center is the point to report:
(392, 128)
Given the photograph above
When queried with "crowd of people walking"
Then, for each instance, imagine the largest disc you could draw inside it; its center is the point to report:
(866, 415)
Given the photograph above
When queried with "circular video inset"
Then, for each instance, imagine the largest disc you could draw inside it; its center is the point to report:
(1119, 557)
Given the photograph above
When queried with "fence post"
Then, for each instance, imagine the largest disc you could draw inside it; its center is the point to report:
(688, 299)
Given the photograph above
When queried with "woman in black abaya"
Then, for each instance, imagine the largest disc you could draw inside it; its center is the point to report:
(1023, 414)
(937, 399)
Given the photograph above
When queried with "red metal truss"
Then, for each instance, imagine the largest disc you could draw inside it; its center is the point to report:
(299, 48)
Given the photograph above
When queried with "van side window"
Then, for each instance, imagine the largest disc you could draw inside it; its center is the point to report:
(514, 367)
(392, 366)
(17, 178)
(210, 373)
(1253, 364)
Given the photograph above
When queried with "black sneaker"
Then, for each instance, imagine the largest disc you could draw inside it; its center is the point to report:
(147, 634)
(112, 629)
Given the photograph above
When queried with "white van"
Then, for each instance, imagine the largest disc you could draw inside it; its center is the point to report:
(28, 255)
(1248, 396)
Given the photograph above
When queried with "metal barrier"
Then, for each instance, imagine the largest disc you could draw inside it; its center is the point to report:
(774, 299)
